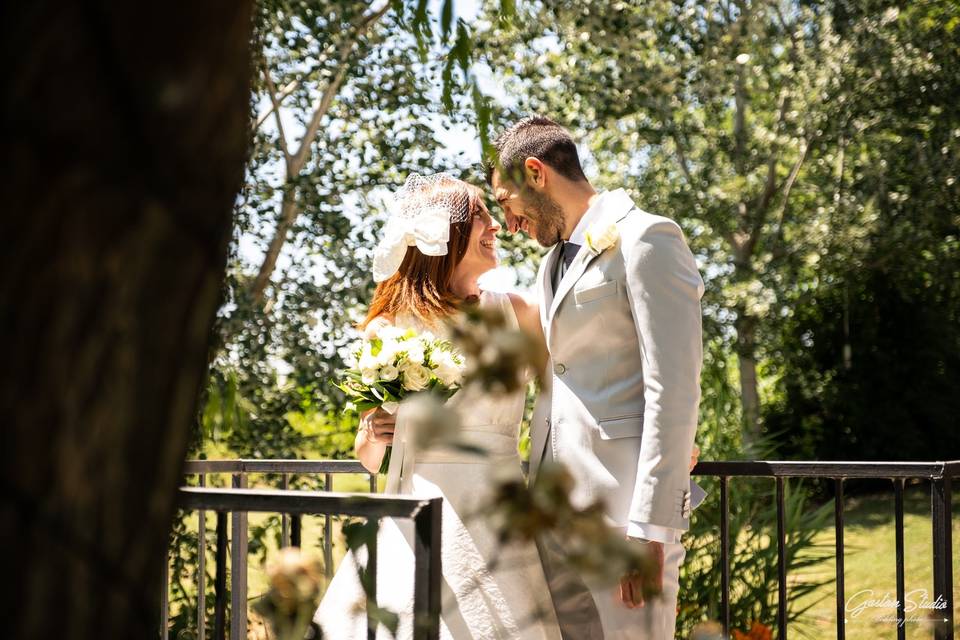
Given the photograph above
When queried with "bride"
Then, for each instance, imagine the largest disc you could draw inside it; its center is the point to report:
(438, 241)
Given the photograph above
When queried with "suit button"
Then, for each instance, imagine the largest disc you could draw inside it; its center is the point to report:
(559, 368)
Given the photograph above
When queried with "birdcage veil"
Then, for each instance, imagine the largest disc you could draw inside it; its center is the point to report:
(420, 215)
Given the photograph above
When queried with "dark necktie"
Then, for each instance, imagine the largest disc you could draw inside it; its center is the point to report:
(570, 251)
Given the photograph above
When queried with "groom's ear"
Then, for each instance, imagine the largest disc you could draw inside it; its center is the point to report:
(535, 172)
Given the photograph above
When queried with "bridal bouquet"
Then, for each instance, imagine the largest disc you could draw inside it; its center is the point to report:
(397, 363)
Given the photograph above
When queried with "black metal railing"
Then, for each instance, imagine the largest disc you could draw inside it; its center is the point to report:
(293, 505)
(940, 475)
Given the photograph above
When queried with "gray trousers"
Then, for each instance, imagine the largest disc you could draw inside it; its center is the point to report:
(597, 614)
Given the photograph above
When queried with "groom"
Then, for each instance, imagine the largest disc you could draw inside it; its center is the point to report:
(619, 298)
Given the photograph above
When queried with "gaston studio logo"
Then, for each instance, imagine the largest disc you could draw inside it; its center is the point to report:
(915, 601)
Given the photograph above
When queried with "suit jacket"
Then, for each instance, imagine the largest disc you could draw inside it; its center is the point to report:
(624, 334)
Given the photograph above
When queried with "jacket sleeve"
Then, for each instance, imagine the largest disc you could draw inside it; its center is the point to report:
(664, 288)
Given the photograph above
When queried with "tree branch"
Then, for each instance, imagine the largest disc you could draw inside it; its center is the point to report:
(682, 157)
(779, 249)
(288, 215)
(275, 102)
(289, 208)
(293, 85)
(770, 187)
(329, 93)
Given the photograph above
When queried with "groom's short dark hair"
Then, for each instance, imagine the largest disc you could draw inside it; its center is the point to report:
(538, 137)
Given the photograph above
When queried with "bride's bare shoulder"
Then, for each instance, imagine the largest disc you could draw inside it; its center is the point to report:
(522, 303)
(527, 310)
(375, 325)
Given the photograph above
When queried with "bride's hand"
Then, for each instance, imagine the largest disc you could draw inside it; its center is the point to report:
(378, 425)
(694, 456)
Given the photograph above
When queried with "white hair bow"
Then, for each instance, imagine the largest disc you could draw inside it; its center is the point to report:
(428, 231)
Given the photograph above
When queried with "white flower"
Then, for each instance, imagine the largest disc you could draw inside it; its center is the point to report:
(388, 352)
(416, 377)
(389, 373)
(369, 376)
(390, 332)
(415, 351)
(446, 368)
(599, 239)
(367, 359)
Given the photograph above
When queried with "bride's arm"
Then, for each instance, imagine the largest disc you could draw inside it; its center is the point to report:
(376, 425)
(528, 316)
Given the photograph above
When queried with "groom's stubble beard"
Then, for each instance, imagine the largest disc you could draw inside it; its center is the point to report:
(547, 215)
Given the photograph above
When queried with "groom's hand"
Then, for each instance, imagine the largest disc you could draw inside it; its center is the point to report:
(636, 588)
(378, 425)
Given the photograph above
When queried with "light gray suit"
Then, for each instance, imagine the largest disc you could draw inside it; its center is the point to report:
(624, 334)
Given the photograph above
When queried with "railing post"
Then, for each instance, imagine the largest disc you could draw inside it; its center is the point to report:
(940, 493)
(901, 588)
(220, 581)
(781, 564)
(838, 542)
(370, 572)
(284, 518)
(427, 571)
(296, 525)
(724, 556)
(328, 532)
(238, 568)
(202, 569)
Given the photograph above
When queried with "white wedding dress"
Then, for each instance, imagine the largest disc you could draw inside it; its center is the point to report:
(489, 590)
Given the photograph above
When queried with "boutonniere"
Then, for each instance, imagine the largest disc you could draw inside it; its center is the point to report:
(600, 238)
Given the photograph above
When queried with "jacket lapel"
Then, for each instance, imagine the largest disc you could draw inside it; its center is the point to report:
(584, 257)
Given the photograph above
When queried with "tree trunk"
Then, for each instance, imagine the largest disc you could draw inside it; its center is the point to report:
(125, 128)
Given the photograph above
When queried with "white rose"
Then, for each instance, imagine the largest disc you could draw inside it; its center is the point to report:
(369, 376)
(416, 377)
(389, 373)
(599, 239)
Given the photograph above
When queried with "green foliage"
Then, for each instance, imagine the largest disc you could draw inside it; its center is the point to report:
(808, 149)
(797, 143)
(752, 520)
(866, 360)
(753, 558)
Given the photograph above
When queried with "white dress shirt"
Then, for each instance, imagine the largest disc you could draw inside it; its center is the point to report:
(635, 529)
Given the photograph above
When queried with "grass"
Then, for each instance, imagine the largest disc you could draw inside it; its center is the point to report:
(870, 564)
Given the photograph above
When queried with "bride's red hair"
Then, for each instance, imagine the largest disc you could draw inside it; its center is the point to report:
(421, 287)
